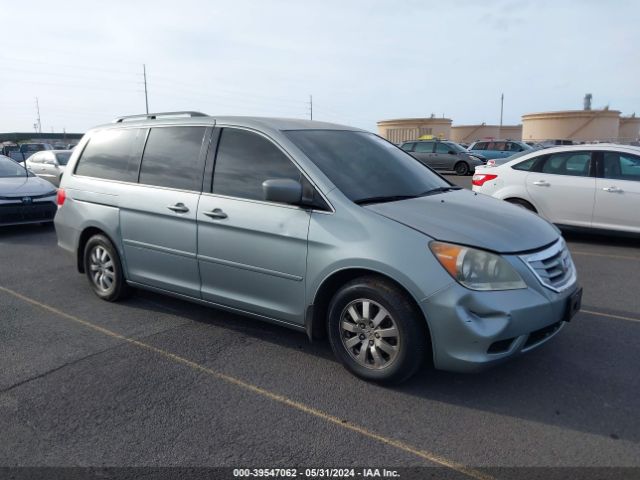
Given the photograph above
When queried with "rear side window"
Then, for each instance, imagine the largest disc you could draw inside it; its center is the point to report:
(172, 158)
(112, 155)
(526, 166)
(244, 161)
(621, 166)
(568, 163)
(424, 147)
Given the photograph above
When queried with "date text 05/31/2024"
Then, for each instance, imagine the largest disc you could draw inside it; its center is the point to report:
(315, 473)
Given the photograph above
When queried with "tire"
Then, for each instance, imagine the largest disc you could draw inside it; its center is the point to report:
(462, 168)
(522, 203)
(104, 269)
(396, 358)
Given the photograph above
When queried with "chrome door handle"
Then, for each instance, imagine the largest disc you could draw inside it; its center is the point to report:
(178, 208)
(542, 183)
(612, 189)
(216, 213)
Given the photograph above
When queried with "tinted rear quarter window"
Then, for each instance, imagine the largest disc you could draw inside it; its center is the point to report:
(526, 166)
(245, 160)
(112, 154)
(172, 158)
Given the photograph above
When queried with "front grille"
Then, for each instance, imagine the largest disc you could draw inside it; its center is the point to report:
(34, 212)
(553, 266)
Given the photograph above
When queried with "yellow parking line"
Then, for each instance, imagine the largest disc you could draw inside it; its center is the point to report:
(610, 315)
(405, 447)
(607, 255)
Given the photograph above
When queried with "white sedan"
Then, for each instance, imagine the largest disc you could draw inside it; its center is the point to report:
(585, 186)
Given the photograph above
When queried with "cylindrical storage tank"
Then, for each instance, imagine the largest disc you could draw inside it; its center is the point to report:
(471, 133)
(576, 125)
(401, 130)
(629, 130)
(512, 132)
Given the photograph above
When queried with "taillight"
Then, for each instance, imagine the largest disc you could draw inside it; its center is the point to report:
(61, 197)
(479, 179)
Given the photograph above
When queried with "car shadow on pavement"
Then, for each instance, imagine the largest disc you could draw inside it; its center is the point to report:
(602, 238)
(30, 234)
(556, 384)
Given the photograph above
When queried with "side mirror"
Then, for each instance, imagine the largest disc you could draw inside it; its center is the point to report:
(451, 152)
(282, 190)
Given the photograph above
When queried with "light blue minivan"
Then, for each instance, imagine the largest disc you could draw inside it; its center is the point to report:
(323, 228)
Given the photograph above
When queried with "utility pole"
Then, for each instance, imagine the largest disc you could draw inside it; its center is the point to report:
(311, 107)
(501, 110)
(39, 123)
(146, 98)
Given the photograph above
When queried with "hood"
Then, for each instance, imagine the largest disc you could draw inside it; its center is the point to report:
(18, 186)
(477, 220)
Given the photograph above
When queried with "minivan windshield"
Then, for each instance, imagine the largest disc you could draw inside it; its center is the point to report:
(365, 167)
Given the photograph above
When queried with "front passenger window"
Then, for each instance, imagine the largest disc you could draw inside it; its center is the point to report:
(244, 161)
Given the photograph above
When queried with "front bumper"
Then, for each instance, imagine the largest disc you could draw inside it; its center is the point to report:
(473, 330)
(19, 212)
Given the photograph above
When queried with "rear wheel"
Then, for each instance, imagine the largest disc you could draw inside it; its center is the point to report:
(462, 168)
(376, 331)
(522, 203)
(104, 269)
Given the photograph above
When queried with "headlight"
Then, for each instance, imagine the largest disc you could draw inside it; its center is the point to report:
(477, 269)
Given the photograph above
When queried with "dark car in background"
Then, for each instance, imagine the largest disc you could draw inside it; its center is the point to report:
(24, 198)
(444, 155)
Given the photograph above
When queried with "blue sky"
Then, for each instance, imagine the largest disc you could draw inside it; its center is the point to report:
(363, 61)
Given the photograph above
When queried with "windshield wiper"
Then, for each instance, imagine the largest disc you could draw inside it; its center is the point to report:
(439, 190)
(381, 199)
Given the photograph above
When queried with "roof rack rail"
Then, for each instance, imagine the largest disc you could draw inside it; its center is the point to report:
(153, 116)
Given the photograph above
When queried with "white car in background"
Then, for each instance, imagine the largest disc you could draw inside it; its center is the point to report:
(584, 186)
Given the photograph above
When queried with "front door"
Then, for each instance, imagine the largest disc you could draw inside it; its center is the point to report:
(252, 253)
(617, 192)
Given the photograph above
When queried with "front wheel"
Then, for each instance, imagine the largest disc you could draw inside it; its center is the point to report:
(462, 168)
(376, 331)
(104, 269)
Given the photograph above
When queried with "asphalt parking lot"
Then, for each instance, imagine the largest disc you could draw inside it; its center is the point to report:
(155, 381)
